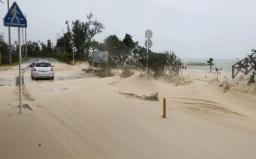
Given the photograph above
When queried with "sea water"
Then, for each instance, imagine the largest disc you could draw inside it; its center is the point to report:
(224, 64)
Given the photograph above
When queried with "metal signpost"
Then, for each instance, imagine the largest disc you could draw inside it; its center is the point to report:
(15, 18)
(148, 44)
(9, 37)
(26, 43)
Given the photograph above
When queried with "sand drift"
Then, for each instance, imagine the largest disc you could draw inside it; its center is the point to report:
(81, 116)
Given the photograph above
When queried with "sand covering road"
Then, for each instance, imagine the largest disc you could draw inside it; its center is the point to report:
(82, 117)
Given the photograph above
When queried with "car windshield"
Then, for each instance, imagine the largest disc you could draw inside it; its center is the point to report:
(43, 64)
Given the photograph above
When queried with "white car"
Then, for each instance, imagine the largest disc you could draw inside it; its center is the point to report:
(42, 70)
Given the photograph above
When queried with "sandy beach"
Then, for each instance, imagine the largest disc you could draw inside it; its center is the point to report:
(80, 116)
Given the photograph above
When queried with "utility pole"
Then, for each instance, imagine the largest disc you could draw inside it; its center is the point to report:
(9, 36)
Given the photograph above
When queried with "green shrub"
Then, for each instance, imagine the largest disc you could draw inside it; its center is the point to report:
(157, 63)
(104, 72)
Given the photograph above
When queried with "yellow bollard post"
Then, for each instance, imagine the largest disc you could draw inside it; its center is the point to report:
(164, 108)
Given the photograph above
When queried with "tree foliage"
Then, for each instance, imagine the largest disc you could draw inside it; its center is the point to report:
(157, 63)
(64, 43)
(49, 47)
(118, 49)
(3, 46)
(128, 42)
(115, 48)
(80, 35)
(174, 64)
(210, 63)
(84, 32)
(33, 48)
(3, 51)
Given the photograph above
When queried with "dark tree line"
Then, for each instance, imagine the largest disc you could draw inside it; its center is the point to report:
(127, 51)
(79, 38)
(4, 49)
(40, 49)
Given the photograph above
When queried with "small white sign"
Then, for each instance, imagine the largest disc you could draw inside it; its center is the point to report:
(149, 34)
(148, 43)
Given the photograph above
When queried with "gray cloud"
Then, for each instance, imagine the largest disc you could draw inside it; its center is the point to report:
(193, 28)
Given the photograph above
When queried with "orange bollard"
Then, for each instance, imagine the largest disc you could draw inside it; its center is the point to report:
(164, 108)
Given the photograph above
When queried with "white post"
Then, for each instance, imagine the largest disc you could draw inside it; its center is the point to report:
(20, 78)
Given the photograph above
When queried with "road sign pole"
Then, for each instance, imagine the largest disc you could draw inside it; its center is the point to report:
(10, 45)
(9, 36)
(15, 18)
(20, 78)
(22, 42)
(147, 58)
(26, 46)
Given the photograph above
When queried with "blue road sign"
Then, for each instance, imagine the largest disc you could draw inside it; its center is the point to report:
(15, 18)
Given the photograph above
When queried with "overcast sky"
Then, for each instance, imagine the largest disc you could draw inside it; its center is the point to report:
(192, 28)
